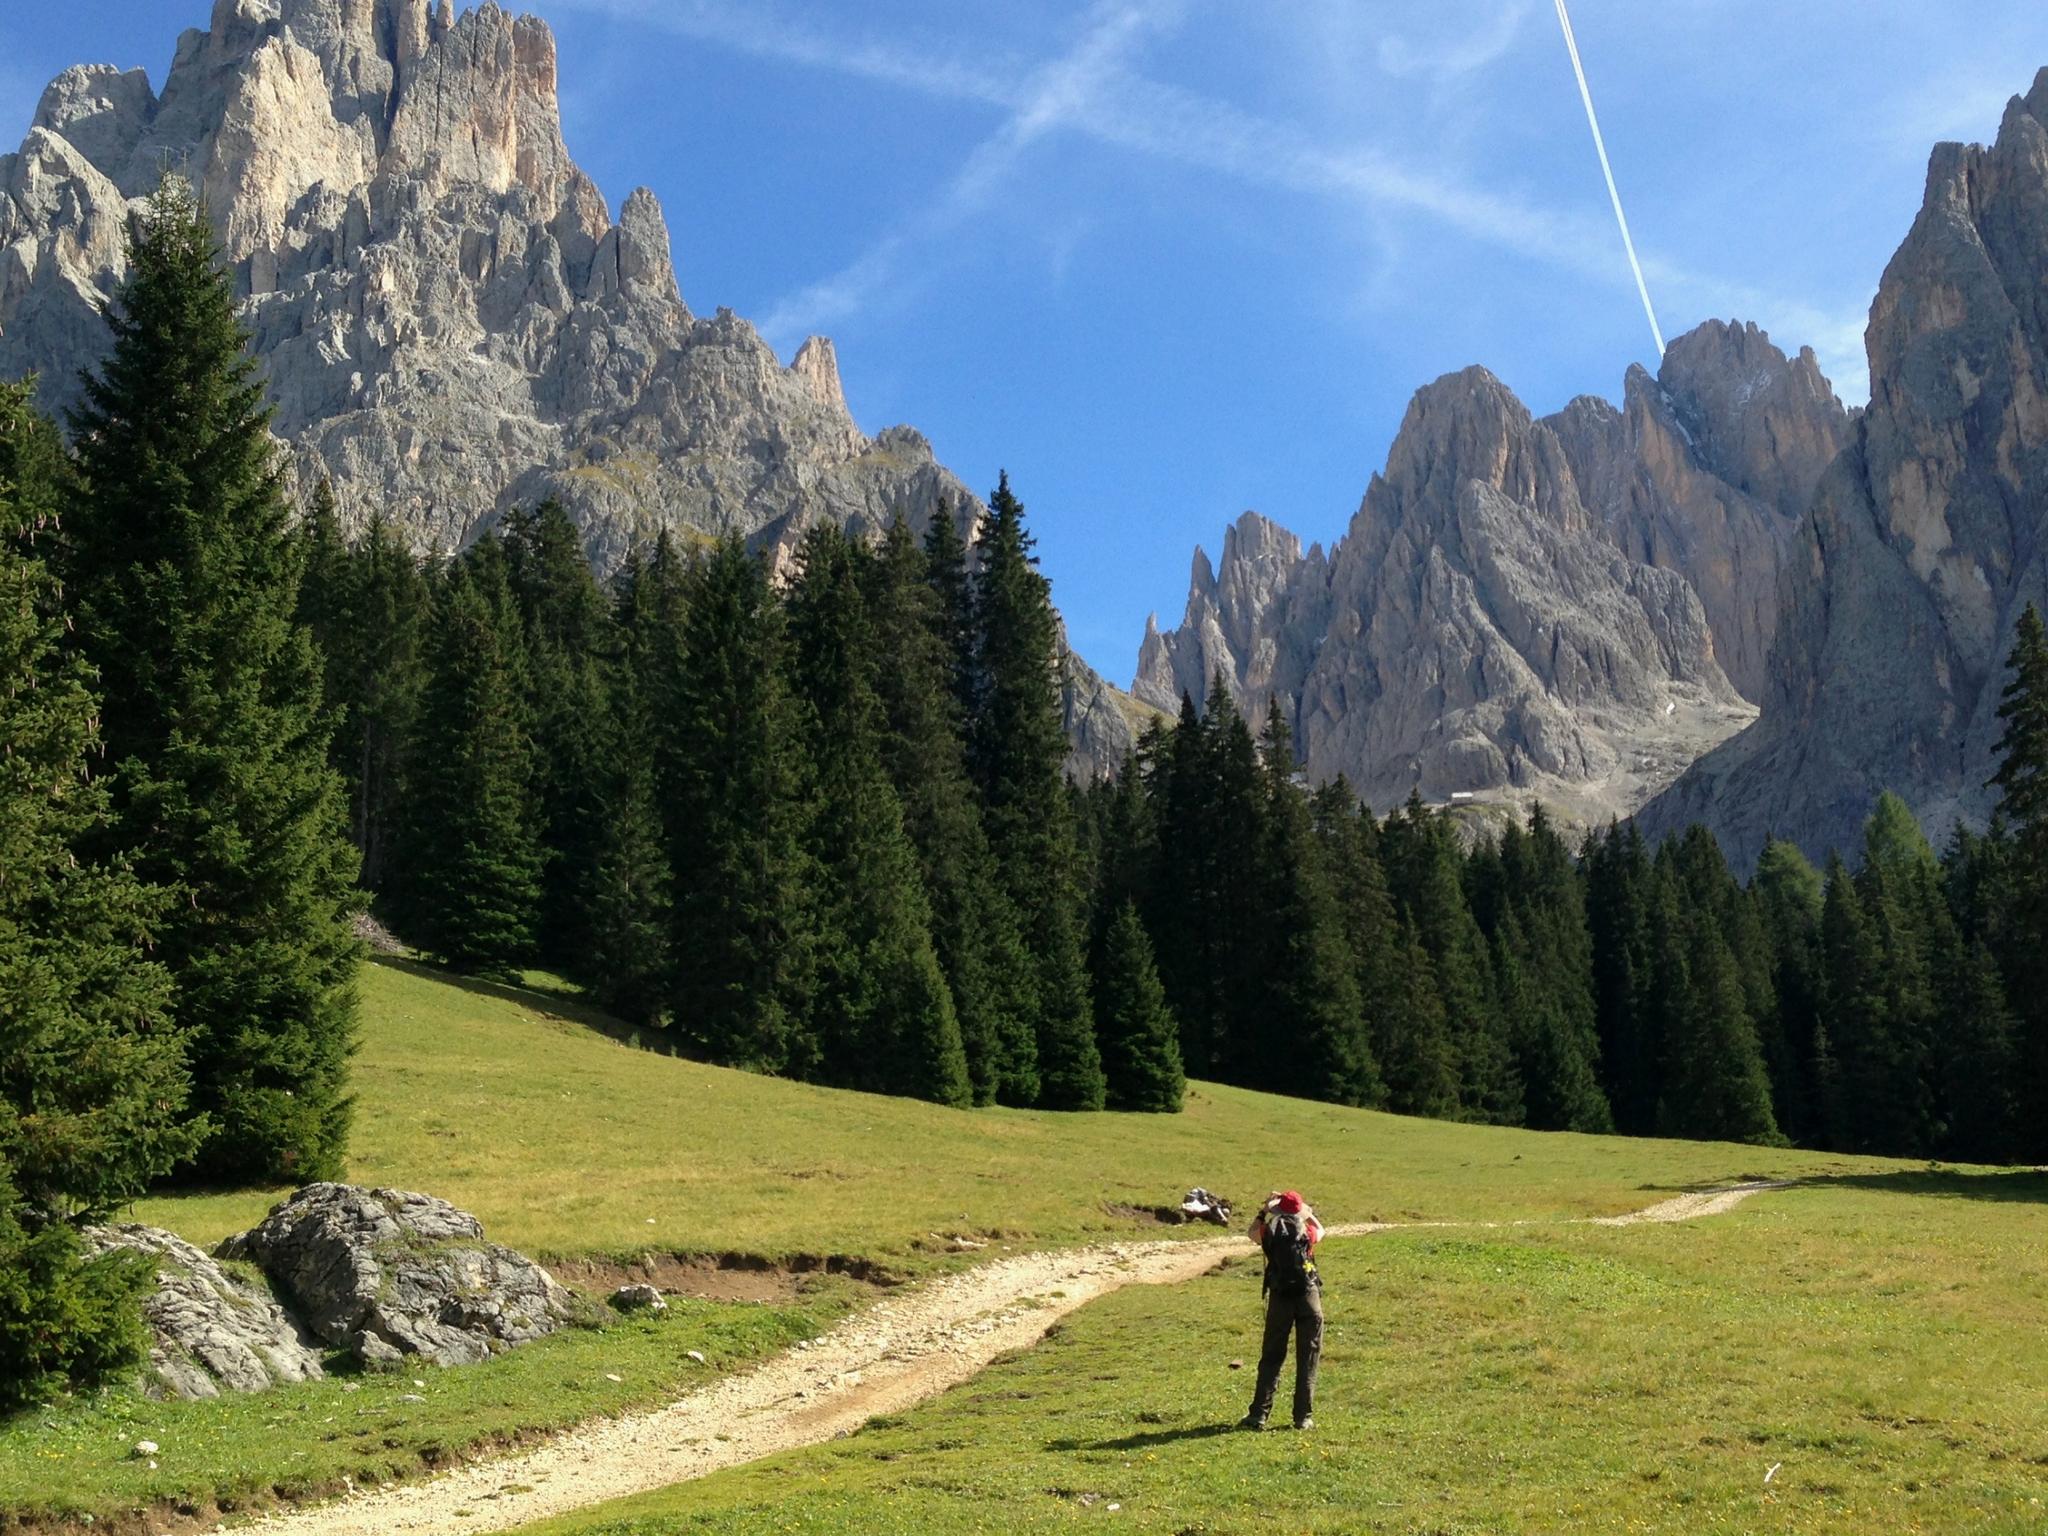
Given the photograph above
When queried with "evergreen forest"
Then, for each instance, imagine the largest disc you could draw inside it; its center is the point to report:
(815, 821)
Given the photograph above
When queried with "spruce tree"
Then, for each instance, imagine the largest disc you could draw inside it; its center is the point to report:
(1306, 1032)
(2022, 780)
(186, 577)
(92, 1062)
(974, 927)
(567, 632)
(1855, 1032)
(1618, 882)
(1140, 1043)
(471, 892)
(1788, 895)
(742, 934)
(1018, 752)
(626, 963)
(881, 1008)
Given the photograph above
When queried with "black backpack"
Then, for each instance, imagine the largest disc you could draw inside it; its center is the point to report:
(1289, 1269)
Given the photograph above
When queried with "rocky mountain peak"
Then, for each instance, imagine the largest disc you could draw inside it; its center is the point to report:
(1766, 424)
(1923, 541)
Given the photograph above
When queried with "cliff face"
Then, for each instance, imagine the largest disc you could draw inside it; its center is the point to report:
(450, 321)
(1923, 544)
(1569, 609)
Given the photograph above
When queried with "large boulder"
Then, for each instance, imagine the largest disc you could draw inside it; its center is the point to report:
(386, 1273)
(209, 1333)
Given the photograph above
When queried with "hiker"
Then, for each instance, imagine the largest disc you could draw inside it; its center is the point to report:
(1287, 1230)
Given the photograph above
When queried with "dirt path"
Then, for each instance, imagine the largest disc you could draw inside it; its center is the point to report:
(899, 1352)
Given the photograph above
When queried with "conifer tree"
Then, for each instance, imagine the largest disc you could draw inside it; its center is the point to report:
(92, 1063)
(1853, 1024)
(974, 927)
(1788, 895)
(952, 584)
(186, 576)
(1425, 870)
(1018, 752)
(567, 634)
(742, 935)
(2022, 780)
(1140, 1047)
(471, 892)
(881, 1008)
(1618, 883)
(1305, 1033)
(1412, 1038)
(627, 962)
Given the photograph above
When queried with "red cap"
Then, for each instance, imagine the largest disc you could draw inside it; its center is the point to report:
(1289, 1203)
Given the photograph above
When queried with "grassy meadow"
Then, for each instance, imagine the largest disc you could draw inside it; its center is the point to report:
(567, 1142)
(1854, 1358)
(1878, 1330)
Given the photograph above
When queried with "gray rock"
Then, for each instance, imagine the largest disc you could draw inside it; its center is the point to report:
(385, 1273)
(639, 1298)
(1478, 631)
(1923, 543)
(209, 1333)
(450, 321)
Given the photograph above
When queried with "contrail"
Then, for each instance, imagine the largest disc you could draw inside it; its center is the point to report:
(1571, 44)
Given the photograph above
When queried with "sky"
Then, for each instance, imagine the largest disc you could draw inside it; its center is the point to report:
(1168, 260)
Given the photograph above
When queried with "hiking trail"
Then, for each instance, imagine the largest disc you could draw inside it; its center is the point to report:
(897, 1353)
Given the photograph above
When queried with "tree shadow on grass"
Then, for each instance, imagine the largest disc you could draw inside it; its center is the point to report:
(2006, 1185)
(1146, 1441)
(559, 1005)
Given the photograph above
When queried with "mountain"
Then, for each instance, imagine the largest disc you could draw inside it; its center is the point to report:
(1924, 540)
(451, 322)
(1569, 609)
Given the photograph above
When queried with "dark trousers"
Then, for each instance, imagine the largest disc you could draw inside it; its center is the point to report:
(1303, 1317)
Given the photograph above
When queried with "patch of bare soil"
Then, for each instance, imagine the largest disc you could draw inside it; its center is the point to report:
(718, 1276)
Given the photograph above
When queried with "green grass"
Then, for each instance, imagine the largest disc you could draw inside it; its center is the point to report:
(242, 1451)
(568, 1142)
(1885, 1346)
(534, 1112)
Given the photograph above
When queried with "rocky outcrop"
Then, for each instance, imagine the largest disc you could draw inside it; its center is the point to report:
(1707, 470)
(450, 321)
(1477, 631)
(209, 1333)
(388, 1274)
(1923, 544)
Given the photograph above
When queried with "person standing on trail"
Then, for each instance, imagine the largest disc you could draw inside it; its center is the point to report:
(1287, 1231)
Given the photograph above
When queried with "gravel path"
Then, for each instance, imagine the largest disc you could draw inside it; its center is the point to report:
(899, 1352)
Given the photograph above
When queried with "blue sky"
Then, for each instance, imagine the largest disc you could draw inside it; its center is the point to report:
(1169, 259)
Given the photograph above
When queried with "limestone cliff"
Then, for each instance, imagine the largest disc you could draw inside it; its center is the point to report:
(1923, 544)
(450, 320)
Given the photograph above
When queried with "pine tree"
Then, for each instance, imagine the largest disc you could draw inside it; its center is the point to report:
(1412, 1039)
(186, 575)
(627, 960)
(1018, 752)
(471, 892)
(1309, 1037)
(1425, 870)
(742, 934)
(1140, 1043)
(1617, 879)
(1855, 1031)
(92, 1064)
(567, 633)
(1788, 896)
(881, 1007)
(974, 927)
(2022, 780)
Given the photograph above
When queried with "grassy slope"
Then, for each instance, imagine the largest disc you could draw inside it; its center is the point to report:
(1883, 1346)
(566, 1142)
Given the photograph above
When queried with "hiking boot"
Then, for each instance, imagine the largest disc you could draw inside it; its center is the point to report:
(1251, 1421)
(1306, 1421)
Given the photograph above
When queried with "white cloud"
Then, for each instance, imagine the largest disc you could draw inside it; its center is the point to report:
(1090, 91)
(1471, 48)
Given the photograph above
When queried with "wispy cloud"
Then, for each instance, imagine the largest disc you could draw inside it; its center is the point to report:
(1470, 50)
(1062, 95)
(1092, 91)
